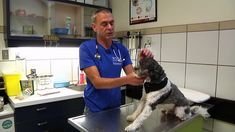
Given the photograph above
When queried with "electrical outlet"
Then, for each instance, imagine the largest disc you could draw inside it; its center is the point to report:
(32, 71)
(5, 54)
(147, 43)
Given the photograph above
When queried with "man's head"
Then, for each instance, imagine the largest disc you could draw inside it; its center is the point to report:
(150, 69)
(103, 24)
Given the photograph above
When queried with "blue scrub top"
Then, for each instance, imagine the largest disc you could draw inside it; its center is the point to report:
(109, 66)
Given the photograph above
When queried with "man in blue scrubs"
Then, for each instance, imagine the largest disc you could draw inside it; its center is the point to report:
(102, 60)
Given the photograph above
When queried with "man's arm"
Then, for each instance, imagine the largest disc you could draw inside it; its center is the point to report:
(108, 83)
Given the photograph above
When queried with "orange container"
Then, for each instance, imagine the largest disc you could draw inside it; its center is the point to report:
(12, 84)
(82, 78)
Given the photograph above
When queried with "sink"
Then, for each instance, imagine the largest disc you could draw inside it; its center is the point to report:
(79, 87)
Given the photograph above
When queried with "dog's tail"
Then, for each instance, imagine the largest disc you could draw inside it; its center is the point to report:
(200, 110)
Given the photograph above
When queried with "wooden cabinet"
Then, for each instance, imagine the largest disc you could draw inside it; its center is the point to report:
(49, 22)
(50, 117)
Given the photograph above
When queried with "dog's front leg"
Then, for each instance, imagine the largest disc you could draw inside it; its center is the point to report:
(140, 107)
(141, 104)
(146, 112)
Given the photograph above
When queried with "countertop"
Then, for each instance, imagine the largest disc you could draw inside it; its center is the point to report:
(61, 94)
(115, 121)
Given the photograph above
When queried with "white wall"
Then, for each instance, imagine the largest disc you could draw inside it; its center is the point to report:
(177, 12)
(203, 61)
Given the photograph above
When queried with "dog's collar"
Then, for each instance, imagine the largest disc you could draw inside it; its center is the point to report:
(150, 86)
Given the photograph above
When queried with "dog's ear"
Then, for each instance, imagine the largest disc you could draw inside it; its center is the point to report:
(154, 73)
(157, 73)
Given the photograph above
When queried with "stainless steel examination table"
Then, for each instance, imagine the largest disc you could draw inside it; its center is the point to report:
(114, 120)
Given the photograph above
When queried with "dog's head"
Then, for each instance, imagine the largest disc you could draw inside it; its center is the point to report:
(150, 69)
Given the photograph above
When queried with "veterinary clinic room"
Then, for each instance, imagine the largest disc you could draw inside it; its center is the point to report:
(117, 65)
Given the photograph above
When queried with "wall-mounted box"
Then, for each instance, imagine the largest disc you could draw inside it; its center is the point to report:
(89, 2)
(101, 3)
(82, 1)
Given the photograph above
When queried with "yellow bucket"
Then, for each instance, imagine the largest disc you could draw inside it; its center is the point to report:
(12, 84)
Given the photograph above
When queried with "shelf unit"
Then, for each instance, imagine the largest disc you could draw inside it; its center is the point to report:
(28, 21)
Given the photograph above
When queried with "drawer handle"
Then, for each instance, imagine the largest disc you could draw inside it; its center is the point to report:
(42, 123)
(41, 109)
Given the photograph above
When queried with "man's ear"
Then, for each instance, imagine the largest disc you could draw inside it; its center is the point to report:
(93, 27)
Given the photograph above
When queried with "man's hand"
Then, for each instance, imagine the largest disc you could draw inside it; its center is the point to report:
(134, 79)
(145, 53)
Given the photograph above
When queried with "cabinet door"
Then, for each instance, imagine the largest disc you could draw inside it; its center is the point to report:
(74, 20)
(42, 17)
(48, 22)
(27, 19)
(88, 12)
(48, 117)
(65, 19)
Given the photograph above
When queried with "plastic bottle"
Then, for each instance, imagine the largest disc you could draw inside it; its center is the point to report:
(82, 78)
(68, 24)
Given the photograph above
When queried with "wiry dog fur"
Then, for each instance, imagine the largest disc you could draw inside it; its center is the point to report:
(160, 91)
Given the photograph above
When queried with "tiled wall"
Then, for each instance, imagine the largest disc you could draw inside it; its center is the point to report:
(199, 57)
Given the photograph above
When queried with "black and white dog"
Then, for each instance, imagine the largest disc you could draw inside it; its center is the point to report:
(159, 91)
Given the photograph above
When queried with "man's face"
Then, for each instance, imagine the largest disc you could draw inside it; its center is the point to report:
(104, 25)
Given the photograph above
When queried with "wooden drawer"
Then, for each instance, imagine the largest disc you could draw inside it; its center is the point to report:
(73, 107)
(56, 109)
(47, 125)
(42, 111)
(49, 111)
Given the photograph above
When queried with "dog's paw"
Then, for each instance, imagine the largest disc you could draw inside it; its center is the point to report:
(130, 118)
(184, 117)
(131, 128)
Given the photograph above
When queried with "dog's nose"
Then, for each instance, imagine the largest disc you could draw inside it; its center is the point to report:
(136, 68)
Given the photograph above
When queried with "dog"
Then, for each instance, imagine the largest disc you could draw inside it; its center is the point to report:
(159, 91)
